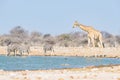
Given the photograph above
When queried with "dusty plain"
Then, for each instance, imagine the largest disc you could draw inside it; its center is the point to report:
(89, 73)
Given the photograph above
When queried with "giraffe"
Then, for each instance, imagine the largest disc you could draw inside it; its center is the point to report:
(94, 36)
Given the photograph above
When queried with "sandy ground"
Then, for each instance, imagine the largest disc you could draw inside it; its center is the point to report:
(89, 73)
(72, 51)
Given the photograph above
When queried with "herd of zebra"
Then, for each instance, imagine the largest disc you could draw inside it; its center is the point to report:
(18, 50)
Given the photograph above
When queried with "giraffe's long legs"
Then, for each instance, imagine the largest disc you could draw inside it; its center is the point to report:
(88, 42)
(93, 43)
(101, 44)
(100, 41)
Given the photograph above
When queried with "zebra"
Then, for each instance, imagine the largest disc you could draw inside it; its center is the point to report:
(15, 48)
(12, 48)
(24, 49)
(48, 47)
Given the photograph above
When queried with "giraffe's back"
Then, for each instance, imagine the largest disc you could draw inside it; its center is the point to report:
(95, 34)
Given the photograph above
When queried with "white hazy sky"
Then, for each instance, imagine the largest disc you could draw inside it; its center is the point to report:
(58, 16)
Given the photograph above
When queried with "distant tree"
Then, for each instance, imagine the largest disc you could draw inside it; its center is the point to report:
(64, 40)
(36, 34)
(78, 38)
(109, 39)
(118, 39)
(49, 39)
(36, 38)
(64, 37)
(5, 40)
(47, 35)
(106, 34)
(19, 34)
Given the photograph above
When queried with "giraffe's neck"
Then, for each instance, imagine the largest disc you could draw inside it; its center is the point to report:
(84, 28)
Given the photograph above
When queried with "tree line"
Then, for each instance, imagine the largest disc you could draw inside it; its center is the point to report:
(19, 35)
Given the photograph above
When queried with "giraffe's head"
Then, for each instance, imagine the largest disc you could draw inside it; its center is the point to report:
(75, 24)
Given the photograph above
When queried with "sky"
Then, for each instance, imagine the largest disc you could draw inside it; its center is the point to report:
(57, 16)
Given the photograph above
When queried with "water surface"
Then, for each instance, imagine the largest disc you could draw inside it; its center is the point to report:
(51, 62)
